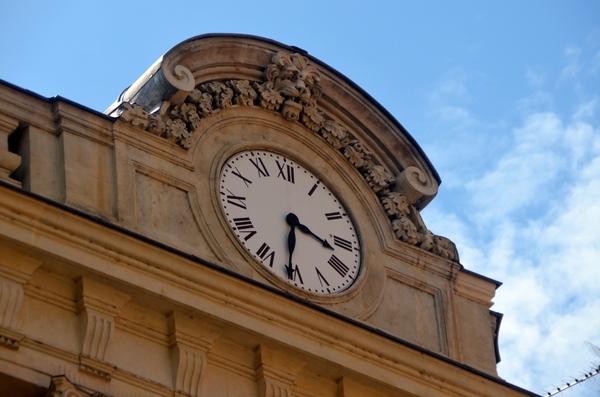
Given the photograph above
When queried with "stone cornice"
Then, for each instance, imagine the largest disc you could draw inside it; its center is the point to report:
(476, 288)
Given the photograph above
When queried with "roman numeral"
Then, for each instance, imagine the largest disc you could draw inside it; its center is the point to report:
(260, 166)
(289, 172)
(312, 189)
(331, 216)
(321, 278)
(243, 178)
(238, 201)
(242, 225)
(263, 254)
(338, 265)
(342, 243)
(297, 273)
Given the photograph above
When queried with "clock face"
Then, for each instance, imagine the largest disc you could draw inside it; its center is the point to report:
(289, 221)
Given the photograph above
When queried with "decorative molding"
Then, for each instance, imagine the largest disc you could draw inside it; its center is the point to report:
(275, 373)
(10, 339)
(190, 341)
(347, 387)
(129, 384)
(141, 331)
(234, 367)
(291, 87)
(96, 368)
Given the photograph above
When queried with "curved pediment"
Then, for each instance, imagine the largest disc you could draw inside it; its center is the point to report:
(202, 76)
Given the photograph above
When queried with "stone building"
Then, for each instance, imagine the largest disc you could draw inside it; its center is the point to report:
(243, 221)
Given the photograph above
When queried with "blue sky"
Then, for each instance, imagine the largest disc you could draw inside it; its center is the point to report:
(503, 96)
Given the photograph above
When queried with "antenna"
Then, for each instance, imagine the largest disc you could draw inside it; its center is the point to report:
(593, 348)
(589, 379)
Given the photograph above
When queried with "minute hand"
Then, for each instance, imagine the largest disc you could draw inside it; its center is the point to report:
(306, 230)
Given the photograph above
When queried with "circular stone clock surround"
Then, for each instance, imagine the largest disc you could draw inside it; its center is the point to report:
(252, 129)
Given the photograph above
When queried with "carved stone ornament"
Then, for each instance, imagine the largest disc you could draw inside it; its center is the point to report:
(190, 341)
(291, 87)
(10, 339)
(61, 387)
(97, 306)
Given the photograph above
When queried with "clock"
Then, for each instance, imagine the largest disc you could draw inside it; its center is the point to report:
(289, 221)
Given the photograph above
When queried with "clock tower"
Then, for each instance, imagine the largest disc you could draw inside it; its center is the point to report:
(243, 221)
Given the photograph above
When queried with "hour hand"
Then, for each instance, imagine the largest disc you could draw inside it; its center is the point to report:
(291, 246)
(290, 271)
(306, 230)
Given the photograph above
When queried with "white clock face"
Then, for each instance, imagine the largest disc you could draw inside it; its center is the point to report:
(289, 221)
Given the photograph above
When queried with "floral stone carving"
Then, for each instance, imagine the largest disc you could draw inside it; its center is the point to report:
(291, 87)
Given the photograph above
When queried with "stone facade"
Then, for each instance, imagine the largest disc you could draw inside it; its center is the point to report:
(119, 275)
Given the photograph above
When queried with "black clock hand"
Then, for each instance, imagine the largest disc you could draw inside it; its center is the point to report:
(306, 230)
(292, 218)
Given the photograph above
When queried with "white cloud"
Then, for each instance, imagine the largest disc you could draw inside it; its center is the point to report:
(526, 212)
(549, 260)
(532, 221)
(587, 109)
(451, 87)
(522, 175)
(462, 142)
(595, 64)
(536, 77)
(448, 99)
(538, 100)
(573, 67)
